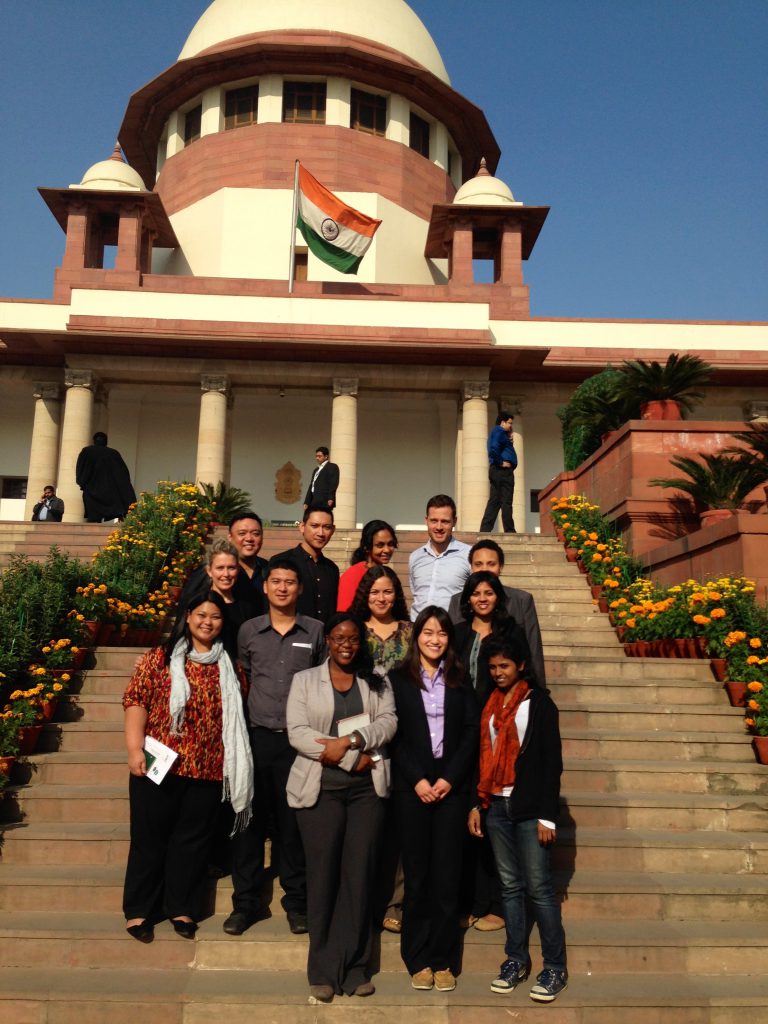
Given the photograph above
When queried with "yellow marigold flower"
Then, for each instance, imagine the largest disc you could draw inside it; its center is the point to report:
(58, 687)
(66, 676)
(754, 687)
(753, 705)
(755, 642)
(718, 613)
(46, 650)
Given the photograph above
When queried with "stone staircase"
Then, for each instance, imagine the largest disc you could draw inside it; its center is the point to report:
(662, 859)
(35, 539)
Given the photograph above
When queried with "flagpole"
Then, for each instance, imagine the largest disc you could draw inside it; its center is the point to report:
(292, 261)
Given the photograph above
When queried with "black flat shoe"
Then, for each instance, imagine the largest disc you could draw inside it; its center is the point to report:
(143, 932)
(186, 929)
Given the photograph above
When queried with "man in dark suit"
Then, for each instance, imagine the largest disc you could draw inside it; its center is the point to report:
(321, 492)
(487, 556)
(50, 508)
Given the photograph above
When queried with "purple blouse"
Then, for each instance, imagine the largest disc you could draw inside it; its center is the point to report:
(433, 696)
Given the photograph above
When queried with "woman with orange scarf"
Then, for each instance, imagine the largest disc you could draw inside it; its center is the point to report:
(519, 785)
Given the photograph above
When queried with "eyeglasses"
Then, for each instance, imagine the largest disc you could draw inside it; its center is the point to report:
(347, 641)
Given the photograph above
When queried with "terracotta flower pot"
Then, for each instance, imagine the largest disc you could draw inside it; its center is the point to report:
(661, 409)
(48, 708)
(582, 566)
(560, 534)
(760, 747)
(596, 591)
(174, 593)
(621, 632)
(629, 649)
(642, 648)
(571, 554)
(719, 668)
(710, 516)
(681, 646)
(91, 629)
(602, 604)
(737, 693)
(6, 764)
(105, 632)
(28, 737)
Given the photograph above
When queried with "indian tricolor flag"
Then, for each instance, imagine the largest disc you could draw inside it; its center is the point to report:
(336, 233)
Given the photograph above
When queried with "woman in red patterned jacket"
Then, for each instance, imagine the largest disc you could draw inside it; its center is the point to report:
(187, 696)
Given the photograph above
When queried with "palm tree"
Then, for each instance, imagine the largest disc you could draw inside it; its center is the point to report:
(678, 380)
(716, 481)
(757, 440)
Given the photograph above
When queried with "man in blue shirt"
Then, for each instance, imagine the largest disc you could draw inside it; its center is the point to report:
(502, 460)
(440, 568)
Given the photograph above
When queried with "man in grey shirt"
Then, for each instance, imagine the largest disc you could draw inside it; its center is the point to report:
(272, 648)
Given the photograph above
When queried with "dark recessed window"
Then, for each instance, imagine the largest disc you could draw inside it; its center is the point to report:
(419, 135)
(14, 487)
(241, 106)
(192, 121)
(534, 501)
(300, 266)
(368, 112)
(304, 102)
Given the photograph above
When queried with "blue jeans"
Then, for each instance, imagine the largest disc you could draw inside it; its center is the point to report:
(525, 869)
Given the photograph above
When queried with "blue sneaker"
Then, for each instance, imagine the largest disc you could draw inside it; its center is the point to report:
(549, 984)
(511, 973)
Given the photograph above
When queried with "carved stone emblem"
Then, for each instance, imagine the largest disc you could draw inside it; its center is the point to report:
(288, 484)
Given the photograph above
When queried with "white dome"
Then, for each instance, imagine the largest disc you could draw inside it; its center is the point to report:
(389, 22)
(113, 175)
(485, 190)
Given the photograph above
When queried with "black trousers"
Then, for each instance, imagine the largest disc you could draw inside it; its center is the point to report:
(273, 757)
(432, 837)
(172, 828)
(502, 483)
(341, 836)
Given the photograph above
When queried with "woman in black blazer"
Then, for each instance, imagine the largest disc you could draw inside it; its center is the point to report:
(433, 757)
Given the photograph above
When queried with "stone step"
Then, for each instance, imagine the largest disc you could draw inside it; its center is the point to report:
(75, 940)
(637, 745)
(714, 778)
(661, 718)
(634, 692)
(245, 997)
(674, 811)
(590, 638)
(610, 665)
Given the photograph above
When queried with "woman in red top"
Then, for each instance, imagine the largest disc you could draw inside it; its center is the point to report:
(187, 696)
(378, 542)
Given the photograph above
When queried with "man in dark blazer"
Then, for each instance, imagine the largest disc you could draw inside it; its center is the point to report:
(50, 508)
(325, 479)
(487, 556)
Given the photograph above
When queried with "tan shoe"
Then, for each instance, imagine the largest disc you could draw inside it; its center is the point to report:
(391, 924)
(489, 923)
(423, 980)
(445, 981)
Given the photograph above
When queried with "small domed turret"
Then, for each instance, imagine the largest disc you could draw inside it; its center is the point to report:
(485, 190)
(113, 175)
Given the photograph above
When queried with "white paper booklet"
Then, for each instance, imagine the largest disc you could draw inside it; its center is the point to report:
(159, 759)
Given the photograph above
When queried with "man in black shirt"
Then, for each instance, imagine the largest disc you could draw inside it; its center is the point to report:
(272, 648)
(319, 575)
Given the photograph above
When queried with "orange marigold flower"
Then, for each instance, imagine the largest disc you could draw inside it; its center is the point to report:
(718, 613)
(753, 705)
(701, 620)
(753, 660)
(631, 622)
(755, 642)
(754, 687)
(750, 723)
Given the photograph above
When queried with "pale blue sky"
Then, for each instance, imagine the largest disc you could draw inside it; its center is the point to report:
(642, 123)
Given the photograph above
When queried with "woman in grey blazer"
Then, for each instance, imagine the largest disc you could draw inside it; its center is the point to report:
(340, 717)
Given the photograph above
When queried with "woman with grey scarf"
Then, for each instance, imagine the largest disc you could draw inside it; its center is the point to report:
(188, 696)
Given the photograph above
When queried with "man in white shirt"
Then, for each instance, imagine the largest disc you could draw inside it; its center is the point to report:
(440, 568)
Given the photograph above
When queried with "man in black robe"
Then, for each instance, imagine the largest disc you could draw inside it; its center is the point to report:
(103, 477)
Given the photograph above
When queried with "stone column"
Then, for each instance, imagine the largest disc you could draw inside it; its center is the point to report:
(510, 269)
(474, 458)
(514, 404)
(76, 433)
(128, 256)
(344, 449)
(461, 267)
(228, 440)
(212, 432)
(44, 453)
